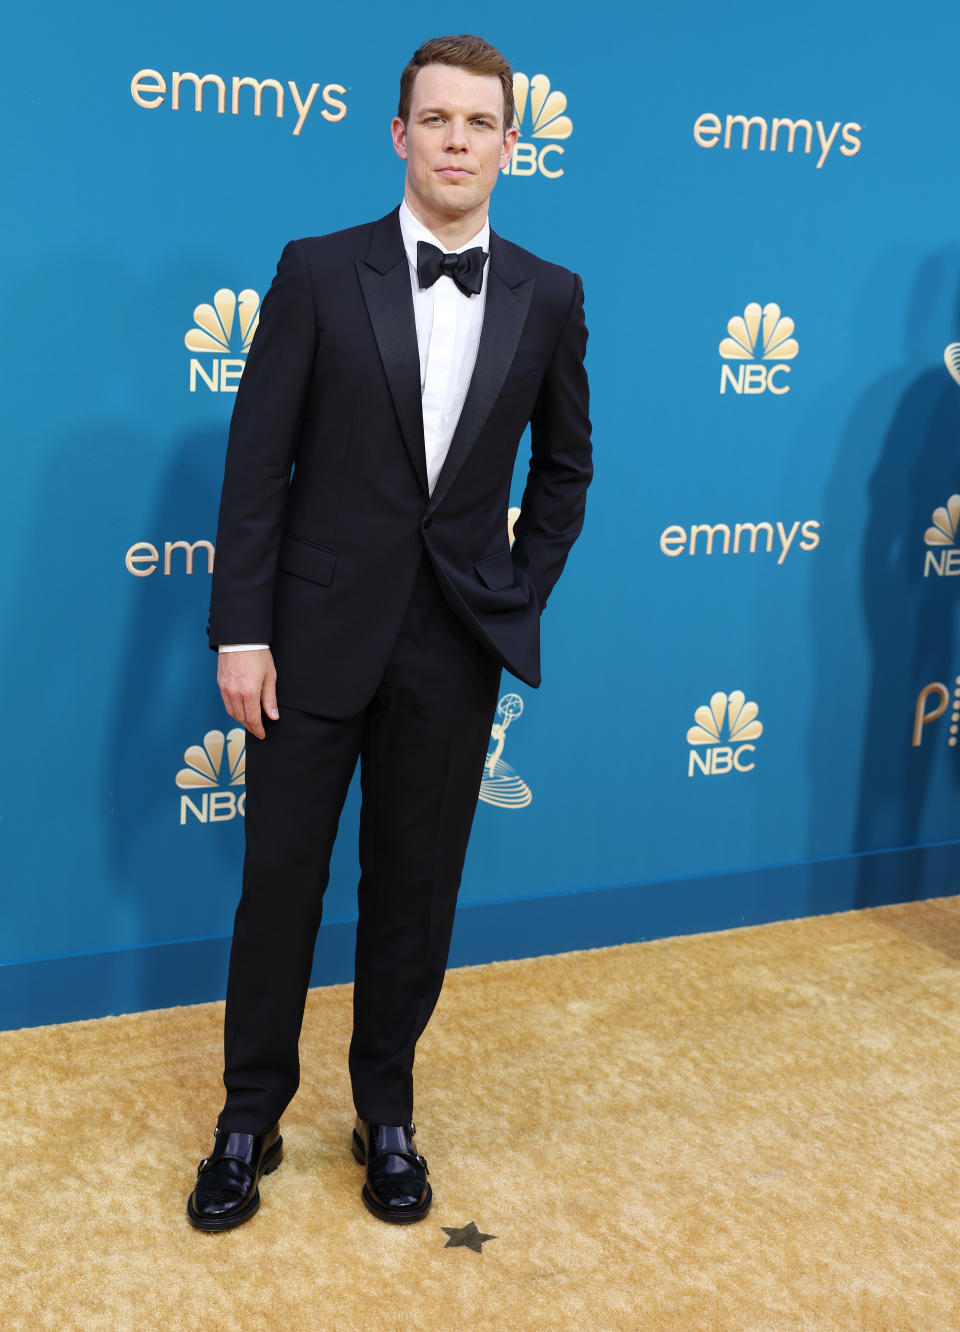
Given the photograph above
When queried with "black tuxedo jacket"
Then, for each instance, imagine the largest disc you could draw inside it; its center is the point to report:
(325, 512)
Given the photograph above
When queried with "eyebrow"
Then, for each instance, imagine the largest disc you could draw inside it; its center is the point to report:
(444, 111)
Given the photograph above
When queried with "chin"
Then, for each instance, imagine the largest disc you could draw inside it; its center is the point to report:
(455, 201)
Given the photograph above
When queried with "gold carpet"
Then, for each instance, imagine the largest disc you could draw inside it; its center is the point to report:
(754, 1130)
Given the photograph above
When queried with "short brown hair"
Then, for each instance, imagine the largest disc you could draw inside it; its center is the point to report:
(465, 52)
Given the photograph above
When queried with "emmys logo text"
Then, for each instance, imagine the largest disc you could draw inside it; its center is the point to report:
(149, 88)
(727, 718)
(539, 113)
(740, 538)
(212, 770)
(758, 336)
(780, 134)
(144, 558)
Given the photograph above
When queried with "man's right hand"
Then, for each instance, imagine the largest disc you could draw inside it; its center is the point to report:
(248, 681)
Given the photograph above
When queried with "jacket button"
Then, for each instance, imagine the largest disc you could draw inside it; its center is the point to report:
(427, 522)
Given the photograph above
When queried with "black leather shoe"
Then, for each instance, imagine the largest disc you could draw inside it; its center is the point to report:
(227, 1194)
(396, 1187)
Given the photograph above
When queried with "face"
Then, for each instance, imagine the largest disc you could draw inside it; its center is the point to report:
(454, 144)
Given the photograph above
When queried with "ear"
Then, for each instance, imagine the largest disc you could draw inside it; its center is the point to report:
(398, 132)
(509, 141)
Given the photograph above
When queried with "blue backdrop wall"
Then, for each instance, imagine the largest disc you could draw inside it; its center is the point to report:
(752, 684)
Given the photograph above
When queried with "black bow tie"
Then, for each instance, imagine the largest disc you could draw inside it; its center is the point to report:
(466, 268)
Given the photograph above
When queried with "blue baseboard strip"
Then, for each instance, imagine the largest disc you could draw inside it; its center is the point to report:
(64, 989)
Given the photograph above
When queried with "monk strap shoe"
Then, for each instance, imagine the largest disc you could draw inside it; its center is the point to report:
(396, 1187)
(227, 1192)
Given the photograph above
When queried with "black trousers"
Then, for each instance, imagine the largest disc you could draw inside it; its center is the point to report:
(421, 743)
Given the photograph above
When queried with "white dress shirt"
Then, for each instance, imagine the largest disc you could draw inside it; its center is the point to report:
(448, 335)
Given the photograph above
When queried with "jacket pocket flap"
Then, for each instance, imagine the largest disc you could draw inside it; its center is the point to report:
(307, 560)
(496, 570)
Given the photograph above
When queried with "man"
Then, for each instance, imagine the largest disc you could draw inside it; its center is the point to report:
(365, 599)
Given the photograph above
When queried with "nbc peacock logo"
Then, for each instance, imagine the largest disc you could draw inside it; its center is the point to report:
(942, 556)
(761, 334)
(720, 741)
(212, 769)
(539, 113)
(951, 359)
(222, 331)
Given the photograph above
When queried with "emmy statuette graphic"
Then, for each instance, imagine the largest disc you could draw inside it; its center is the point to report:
(501, 786)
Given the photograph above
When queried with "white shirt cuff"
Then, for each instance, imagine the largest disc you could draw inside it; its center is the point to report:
(241, 647)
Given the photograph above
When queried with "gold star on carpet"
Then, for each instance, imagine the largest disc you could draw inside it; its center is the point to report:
(468, 1236)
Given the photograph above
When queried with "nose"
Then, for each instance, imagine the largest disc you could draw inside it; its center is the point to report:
(456, 137)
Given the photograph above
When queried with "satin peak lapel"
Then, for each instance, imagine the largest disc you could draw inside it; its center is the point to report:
(508, 301)
(385, 282)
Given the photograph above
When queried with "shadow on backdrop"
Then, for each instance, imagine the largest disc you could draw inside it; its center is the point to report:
(165, 698)
(909, 620)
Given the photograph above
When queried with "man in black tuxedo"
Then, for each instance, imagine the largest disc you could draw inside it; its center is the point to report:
(365, 599)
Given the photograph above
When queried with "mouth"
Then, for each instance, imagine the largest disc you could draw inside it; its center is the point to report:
(453, 173)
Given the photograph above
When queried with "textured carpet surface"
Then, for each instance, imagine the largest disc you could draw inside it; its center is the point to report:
(754, 1130)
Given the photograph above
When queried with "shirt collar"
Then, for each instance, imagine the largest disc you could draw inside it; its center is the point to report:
(412, 231)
